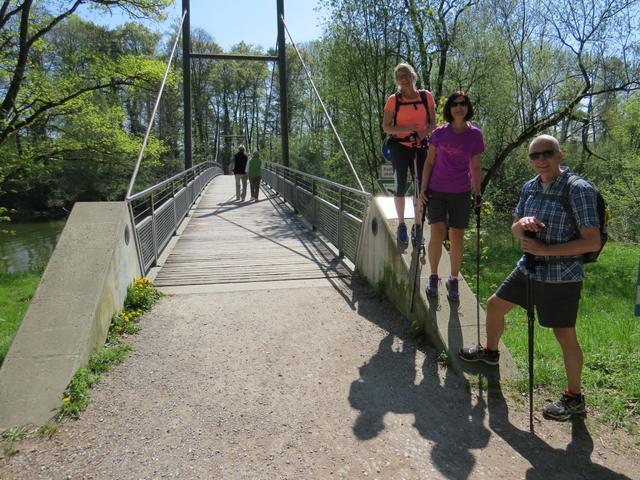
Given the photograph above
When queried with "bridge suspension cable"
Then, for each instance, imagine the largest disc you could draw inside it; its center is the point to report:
(155, 108)
(326, 113)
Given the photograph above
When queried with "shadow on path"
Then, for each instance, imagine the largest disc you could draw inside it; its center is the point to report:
(547, 462)
(446, 412)
(391, 382)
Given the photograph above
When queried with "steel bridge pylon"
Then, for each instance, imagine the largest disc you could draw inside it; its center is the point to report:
(187, 55)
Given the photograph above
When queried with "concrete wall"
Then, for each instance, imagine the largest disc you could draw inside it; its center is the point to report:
(448, 325)
(84, 284)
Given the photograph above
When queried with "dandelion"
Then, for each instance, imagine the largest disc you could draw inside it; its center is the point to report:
(66, 399)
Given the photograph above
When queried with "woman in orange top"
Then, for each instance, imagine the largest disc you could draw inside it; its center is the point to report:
(409, 117)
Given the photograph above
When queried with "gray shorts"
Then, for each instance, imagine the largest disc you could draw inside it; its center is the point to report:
(451, 207)
(556, 303)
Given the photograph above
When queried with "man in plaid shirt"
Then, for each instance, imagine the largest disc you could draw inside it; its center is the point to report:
(546, 231)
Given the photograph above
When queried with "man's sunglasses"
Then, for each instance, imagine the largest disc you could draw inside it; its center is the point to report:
(543, 153)
(462, 103)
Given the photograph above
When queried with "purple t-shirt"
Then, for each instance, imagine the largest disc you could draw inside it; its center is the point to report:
(451, 172)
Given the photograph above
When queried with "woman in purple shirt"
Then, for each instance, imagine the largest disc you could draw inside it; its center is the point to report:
(451, 171)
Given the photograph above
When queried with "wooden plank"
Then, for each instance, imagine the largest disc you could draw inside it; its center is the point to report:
(227, 242)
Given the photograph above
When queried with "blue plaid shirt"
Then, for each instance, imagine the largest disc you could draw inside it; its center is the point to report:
(534, 202)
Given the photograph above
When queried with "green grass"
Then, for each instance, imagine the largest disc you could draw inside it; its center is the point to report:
(76, 396)
(16, 291)
(141, 296)
(608, 331)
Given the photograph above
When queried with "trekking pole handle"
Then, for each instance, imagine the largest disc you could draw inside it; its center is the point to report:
(529, 258)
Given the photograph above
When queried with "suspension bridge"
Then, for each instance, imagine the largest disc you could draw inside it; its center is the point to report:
(281, 348)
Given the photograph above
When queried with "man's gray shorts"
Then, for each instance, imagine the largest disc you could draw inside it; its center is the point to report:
(556, 303)
(451, 207)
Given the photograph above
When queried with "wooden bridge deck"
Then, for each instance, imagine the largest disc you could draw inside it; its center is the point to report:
(229, 243)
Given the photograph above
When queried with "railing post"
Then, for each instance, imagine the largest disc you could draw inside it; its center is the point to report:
(340, 239)
(132, 219)
(175, 207)
(294, 199)
(185, 179)
(153, 231)
(314, 204)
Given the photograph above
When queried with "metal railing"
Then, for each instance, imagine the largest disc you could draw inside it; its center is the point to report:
(337, 211)
(157, 211)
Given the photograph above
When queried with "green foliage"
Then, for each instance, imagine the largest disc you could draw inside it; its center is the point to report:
(76, 396)
(89, 91)
(16, 290)
(443, 359)
(103, 359)
(125, 322)
(48, 430)
(140, 298)
(15, 433)
(141, 295)
(10, 436)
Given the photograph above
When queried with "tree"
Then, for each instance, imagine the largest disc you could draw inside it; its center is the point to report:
(23, 26)
(77, 75)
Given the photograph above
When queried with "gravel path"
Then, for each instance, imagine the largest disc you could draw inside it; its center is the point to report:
(306, 383)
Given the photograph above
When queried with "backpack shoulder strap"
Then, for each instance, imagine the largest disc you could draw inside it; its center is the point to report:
(565, 199)
(425, 101)
(397, 107)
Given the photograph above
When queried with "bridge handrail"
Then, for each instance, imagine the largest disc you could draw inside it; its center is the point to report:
(157, 186)
(336, 210)
(157, 211)
(319, 179)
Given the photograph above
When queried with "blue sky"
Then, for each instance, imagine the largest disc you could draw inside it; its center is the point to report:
(232, 21)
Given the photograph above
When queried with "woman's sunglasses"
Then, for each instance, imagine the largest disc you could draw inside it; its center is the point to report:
(543, 153)
(462, 103)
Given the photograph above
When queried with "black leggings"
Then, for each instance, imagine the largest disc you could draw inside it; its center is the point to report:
(402, 159)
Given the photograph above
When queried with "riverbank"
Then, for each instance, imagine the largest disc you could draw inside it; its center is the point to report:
(16, 291)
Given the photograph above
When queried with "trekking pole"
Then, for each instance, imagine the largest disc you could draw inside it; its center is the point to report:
(478, 208)
(529, 260)
(417, 233)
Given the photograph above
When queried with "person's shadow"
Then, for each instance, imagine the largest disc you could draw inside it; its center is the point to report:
(442, 412)
(548, 463)
(446, 413)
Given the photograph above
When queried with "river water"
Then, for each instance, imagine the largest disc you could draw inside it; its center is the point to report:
(27, 246)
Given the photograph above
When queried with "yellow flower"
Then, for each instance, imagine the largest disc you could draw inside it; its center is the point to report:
(66, 399)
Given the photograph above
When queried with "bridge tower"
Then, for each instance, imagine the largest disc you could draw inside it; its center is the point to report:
(187, 55)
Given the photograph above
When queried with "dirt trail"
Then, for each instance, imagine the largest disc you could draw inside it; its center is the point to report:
(305, 383)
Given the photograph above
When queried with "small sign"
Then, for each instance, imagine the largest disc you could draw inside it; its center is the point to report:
(388, 187)
(386, 171)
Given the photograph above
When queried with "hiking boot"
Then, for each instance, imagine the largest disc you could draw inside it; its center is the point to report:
(452, 289)
(432, 286)
(402, 236)
(478, 353)
(416, 235)
(567, 406)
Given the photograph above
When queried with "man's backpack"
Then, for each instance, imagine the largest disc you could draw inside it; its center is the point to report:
(603, 218)
(424, 100)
